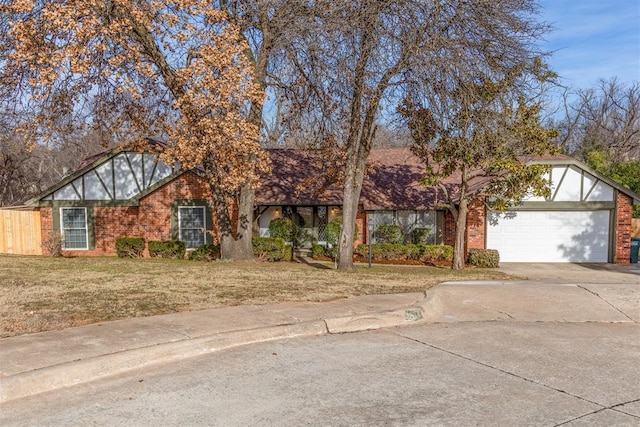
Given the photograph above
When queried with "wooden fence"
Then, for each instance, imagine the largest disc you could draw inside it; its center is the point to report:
(635, 227)
(20, 232)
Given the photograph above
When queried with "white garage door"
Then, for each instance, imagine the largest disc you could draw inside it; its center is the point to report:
(549, 236)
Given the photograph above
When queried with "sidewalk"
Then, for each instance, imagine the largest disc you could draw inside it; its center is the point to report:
(36, 363)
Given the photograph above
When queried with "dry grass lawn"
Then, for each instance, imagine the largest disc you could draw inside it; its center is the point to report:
(40, 293)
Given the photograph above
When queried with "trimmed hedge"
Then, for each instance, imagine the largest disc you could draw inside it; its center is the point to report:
(268, 248)
(288, 252)
(317, 251)
(283, 228)
(390, 234)
(167, 249)
(485, 258)
(437, 252)
(422, 253)
(206, 252)
(421, 235)
(129, 247)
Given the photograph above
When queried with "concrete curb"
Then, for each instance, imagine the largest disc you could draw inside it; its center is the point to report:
(370, 321)
(81, 371)
(68, 374)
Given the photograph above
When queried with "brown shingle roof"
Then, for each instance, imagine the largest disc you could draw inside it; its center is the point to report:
(306, 177)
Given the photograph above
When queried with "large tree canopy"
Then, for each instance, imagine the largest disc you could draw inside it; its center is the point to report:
(354, 63)
(177, 68)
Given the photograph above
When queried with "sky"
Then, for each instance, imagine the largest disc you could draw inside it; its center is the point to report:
(593, 39)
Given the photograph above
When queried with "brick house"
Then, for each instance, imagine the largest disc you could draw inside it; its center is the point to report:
(123, 193)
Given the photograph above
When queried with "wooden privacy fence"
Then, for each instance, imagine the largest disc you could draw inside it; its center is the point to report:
(20, 232)
(635, 227)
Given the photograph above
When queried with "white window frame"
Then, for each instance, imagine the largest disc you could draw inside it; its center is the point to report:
(204, 220)
(63, 229)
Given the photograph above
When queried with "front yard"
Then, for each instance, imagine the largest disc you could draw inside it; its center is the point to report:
(41, 294)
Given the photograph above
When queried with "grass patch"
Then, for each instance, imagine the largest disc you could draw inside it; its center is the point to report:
(41, 293)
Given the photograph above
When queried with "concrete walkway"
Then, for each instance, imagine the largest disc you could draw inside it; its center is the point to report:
(32, 364)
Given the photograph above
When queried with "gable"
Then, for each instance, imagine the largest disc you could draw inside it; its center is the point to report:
(572, 181)
(117, 177)
(569, 183)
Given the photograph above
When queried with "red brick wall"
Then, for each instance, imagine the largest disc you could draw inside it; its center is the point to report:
(624, 210)
(476, 226)
(449, 229)
(150, 220)
(155, 209)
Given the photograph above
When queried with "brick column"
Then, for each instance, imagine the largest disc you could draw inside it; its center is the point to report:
(476, 225)
(623, 212)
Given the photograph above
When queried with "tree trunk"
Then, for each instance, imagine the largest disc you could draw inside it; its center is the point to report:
(234, 246)
(244, 234)
(458, 247)
(352, 188)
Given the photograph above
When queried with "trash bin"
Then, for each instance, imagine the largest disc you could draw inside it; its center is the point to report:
(635, 245)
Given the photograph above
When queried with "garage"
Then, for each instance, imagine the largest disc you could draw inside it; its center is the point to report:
(550, 236)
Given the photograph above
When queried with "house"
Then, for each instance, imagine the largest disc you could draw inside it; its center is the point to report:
(124, 193)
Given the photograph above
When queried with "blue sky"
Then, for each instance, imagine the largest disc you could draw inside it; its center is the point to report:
(593, 39)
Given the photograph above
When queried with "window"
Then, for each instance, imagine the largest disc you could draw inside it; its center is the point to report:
(74, 228)
(192, 225)
(409, 220)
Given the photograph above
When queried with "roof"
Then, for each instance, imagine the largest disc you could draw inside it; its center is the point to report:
(310, 177)
(393, 179)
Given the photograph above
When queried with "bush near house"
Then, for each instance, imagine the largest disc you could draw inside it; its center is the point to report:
(129, 247)
(424, 254)
(485, 258)
(389, 234)
(265, 248)
(167, 249)
(206, 252)
(319, 251)
(421, 235)
(269, 248)
(288, 252)
(284, 228)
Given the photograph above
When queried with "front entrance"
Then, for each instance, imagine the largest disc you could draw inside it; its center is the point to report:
(312, 221)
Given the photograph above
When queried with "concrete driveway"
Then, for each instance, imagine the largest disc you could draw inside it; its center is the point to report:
(574, 273)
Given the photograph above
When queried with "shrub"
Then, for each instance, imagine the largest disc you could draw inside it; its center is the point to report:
(53, 244)
(206, 252)
(318, 251)
(389, 252)
(422, 253)
(389, 234)
(432, 253)
(129, 247)
(283, 228)
(332, 231)
(167, 249)
(485, 258)
(421, 235)
(268, 248)
(288, 252)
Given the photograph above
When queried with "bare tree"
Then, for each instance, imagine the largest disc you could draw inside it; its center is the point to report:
(356, 60)
(606, 116)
